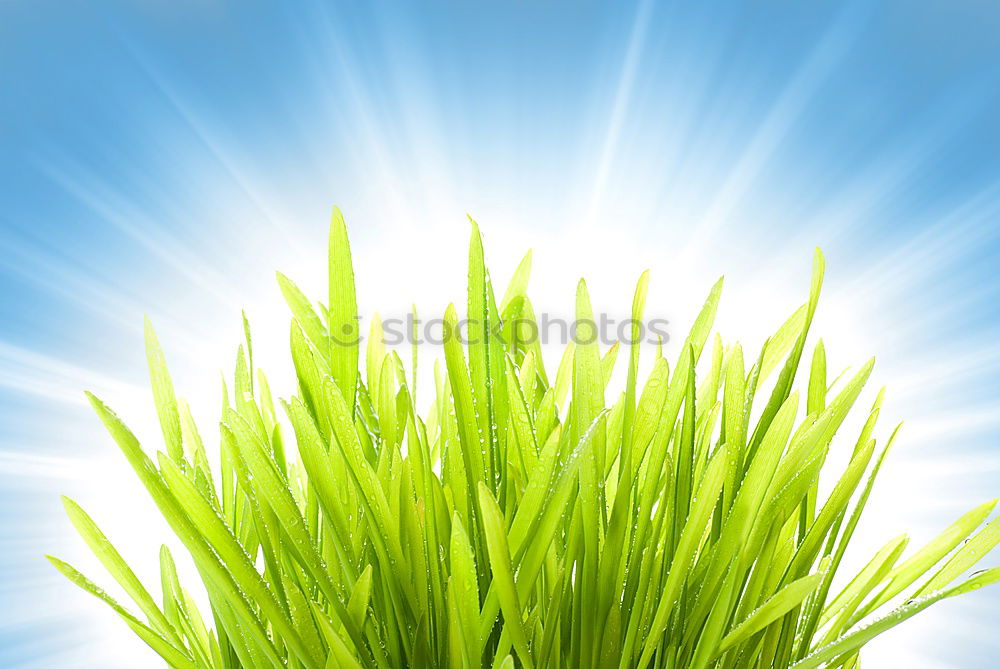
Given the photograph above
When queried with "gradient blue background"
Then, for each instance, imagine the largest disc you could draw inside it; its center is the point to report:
(164, 157)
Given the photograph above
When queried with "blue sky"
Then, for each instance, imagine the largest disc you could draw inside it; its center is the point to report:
(164, 158)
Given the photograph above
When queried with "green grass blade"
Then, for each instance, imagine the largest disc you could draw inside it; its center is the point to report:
(964, 558)
(691, 535)
(119, 569)
(185, 530)
(503, 573)
(774, 608)
(464, 593)
(928, 556)
(859, 637)
(163, 395)
(343, 311)
(174, 656)
(518, 285)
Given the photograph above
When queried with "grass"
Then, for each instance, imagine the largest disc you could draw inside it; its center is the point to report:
(526, 520)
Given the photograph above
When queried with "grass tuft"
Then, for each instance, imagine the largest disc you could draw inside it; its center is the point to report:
(526, 520)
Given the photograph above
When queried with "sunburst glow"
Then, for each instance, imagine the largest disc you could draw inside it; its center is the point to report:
(166, 158)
